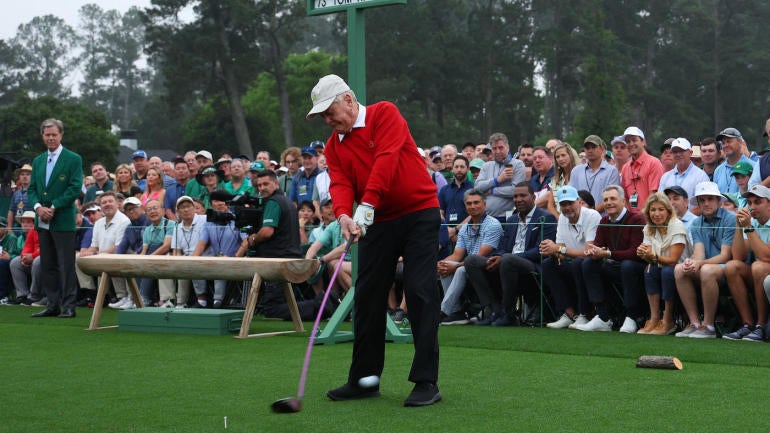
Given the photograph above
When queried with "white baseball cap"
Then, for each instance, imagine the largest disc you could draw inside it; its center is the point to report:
(324, 92)
(706, 189)
(633, 130)
(681, 143)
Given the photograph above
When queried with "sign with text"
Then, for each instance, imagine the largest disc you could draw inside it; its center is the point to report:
(320, 7)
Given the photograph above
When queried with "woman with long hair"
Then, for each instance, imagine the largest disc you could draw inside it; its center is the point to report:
(124, 182)
(154, 190)
(666, 243)
(565, 159)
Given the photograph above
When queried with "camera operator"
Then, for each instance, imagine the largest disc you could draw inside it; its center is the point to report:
(278, 236)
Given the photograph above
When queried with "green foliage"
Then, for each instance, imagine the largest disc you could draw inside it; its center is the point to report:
(86, 131)
(260, 102)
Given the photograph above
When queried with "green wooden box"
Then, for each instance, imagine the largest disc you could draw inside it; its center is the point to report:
(180, 321)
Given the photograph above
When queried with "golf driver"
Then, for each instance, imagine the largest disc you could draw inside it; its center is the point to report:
(290, 404)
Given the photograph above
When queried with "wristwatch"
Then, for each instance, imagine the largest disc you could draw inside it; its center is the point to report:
(563, 250)
(748, 229)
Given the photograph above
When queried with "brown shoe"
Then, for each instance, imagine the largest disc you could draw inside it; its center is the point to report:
(664, 328)
(649, 326)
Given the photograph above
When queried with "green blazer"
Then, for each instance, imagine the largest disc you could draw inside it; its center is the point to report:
(62, 190)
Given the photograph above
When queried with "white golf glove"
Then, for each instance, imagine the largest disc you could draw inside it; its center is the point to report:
(364, 217)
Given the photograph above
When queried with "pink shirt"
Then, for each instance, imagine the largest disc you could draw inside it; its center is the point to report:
(641, 177)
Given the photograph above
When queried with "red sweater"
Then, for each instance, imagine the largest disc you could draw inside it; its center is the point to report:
(379, 164)
(623, 237)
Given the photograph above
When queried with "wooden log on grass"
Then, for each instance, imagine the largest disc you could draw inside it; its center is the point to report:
(662, 362)
(198, 268)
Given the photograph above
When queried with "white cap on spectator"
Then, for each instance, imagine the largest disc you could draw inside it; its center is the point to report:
(758, 190)
(633, 130)
(681, 143)
(183, 199)
(28, 214)
(131, 201)
(705, 189)
(206, 154)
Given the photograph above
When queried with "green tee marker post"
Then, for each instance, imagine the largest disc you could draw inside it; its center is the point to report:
(357, 81)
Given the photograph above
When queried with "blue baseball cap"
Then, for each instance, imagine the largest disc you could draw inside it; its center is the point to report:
(257, 166)
(309, 150)
(139, 154)
(567, 193)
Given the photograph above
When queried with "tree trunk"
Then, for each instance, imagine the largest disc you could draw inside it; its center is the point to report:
(283, 93)
(233, 92)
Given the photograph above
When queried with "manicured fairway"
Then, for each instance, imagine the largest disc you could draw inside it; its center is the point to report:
(59, 378)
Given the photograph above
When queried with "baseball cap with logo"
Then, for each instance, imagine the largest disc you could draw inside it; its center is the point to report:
(323, 94)
(633, 130)
(706, 189)
(742, 167)
(758, 190)
(681, 143)
(257, 166)
(567, 193)
(729, 132)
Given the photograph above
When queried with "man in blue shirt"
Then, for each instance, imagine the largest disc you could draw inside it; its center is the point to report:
(450, 197)
(304, 181)
(713, 233)
(479, 237)
(732, 146)
(596, 174)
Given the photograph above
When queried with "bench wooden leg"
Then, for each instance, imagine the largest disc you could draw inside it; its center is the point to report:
(101, 293)
(291, 301)
(251, 304)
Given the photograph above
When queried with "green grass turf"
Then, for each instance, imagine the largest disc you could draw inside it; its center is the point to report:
(57, 377)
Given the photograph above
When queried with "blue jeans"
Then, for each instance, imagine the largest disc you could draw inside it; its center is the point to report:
(660, 279)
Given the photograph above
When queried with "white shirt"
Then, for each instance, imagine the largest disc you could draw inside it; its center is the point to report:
(186, 238)
(575, 236)
(106, 236)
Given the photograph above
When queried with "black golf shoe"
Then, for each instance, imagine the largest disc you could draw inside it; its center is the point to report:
(351, 391)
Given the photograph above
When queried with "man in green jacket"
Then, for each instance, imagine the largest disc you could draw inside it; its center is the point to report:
(57, 180)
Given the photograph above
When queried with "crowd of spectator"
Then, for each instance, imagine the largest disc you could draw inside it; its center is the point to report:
(182, 207)
(594, 233)
(592, 228)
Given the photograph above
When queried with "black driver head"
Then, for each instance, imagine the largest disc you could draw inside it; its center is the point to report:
(287, 405)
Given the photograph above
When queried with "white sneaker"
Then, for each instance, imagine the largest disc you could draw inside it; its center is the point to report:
(117, 304)
(596, 324)
(689, 329)
(563, 322)
(181, 306)
(629, 326)
(129, 305)
(579, 320)
(168, 304)
(4, 301)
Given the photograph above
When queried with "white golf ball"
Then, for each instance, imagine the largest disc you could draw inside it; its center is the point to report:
(369, 381)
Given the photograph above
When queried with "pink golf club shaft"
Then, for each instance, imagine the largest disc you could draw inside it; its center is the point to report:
(303, 376)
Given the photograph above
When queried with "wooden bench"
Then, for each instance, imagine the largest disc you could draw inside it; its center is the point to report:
(200, 268)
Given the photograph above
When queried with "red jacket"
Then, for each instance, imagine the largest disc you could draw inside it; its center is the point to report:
(31, 244)
(379, 164)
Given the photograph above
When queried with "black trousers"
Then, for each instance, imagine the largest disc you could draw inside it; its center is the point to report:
(57, 266)
(415, 238)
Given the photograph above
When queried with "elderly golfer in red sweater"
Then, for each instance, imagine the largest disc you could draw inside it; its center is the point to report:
(374, 161)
